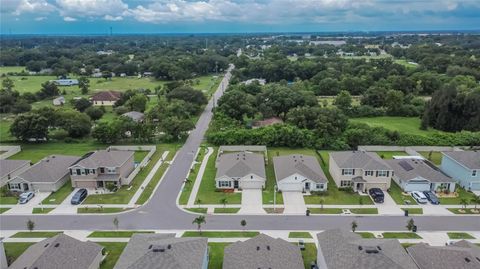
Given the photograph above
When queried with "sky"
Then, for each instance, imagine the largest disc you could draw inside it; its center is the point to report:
(234, 16)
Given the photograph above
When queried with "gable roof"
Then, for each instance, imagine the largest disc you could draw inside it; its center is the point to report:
(305, 165)
(162, 251)
(462, 254)
(347, 250)
(59, 252)
(262, 251)
(107, 96)
(359, 160)
(49, 169)
(134, 115)
(9, 166)
(240, 164)
(105, 158)
(469, 159)
(408, 169)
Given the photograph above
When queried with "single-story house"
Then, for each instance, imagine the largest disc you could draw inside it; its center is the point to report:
(299, 172)
(49, 174)
(267, 122)
(262, 251)
(60, 252)
(461, 254)
(240, 170)
(346, 250)
(419, 175)
(260, 81)
(464, 167)
(59, 101)
(164, 251)
(106, 98)
(66, 82)
(11, 168)
(135, 116)
(96, 169)
(360, 170)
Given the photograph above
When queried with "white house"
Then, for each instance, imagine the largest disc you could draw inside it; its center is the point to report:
(59, 101)
(66, 82)
(299, 173)
(240, 170)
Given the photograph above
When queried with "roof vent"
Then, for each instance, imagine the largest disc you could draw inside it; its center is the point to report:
(158, 250)
(371, 250)
(150, 247)
(467, 259)
(379, 248)
(258, 248)
(46, 245)
(360, 248)
(268, 247)
(169, 246)
(57, 244)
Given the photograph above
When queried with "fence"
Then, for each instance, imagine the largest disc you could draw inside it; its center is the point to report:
(151, 150)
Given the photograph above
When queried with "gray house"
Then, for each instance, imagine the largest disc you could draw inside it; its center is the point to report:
(299, 172)
(60, 252)
(11, 168)
(347, 250)
(135, 116)
(240, 170)
(164, 251)
(359, 170)
(262, 251)
(98, 168)
(462, 254)
(419, 175)
(49, 174)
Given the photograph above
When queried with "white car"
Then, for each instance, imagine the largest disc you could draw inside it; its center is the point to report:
(25, 197)
(419, 197)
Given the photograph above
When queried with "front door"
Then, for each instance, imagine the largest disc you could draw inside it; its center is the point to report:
(25, 187)
(235, 184)
(307, 186)
(359, 187)
(99, 184)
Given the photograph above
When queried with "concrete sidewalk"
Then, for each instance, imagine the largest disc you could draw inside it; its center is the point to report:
(198, 179)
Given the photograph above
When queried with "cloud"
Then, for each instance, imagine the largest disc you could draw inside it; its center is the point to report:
(40, 18)
(92, 9)
(112, 18)
(18, 7)
(69, 19)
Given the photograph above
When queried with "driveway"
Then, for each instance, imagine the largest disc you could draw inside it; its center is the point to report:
(389, 207)
(28, 207)
(294, 203)
(251, 202)
(66, 207)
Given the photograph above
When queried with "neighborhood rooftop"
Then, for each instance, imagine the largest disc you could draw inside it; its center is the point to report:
(106, 96)
(49, 169)
(240, 164)
(306, 166)
(462, 254)
(359, 160)
(163, 251)
(8, 166)
(262, 251)
(469, 159)
(407, 169)
(105, 158)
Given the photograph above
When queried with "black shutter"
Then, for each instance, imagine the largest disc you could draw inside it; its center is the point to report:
(376, 173)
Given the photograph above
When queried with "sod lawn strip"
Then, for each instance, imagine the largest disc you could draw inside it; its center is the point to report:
(460, 236)
(14, 250)
(201, 210)
(309, 255)
(226, 210)
(100, 210)
(325, 210)
(364, 210)
(388, 155)
(401, 235)
(192, 176)
(35, 234)
(219, 234)
(56, 198)
(215, 255)
(4, 209)
(113, 251)
(39, 210)
(116, 234)
(435, 156)
(366, 234)
(414, 211)
(462, 211)
(299, 235)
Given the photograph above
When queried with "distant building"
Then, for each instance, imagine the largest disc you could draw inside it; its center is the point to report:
(66, 82)
(106, 98)
(135, 116)
(105, 52)
(59, 101)
(328, 42)
(97, 75)
(11, 168)
(260, 81)
(147, 74)
(267, 122)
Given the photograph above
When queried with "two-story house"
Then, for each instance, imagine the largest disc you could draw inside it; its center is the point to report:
(359, 170)
(464, 167)
(98, 168)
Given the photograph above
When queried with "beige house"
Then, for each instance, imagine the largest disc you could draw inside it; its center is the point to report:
(98, 168)
(240, 170)
(359, 170)
(106, 98)
(11, 168)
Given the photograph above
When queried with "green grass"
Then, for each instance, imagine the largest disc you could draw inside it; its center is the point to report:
(461, 211)
(325, 210)
(389, 154)
(139, 155)
(39, 210)
(401, 235)
(299, 235)
(11, 69)
(207, 192)
(410, 125)
(397, 195)
(215, 255)
(4, 209)
(35, 234)
(56, 198)
(8, 200)
(435, 158)
(187, 189)
(5, 130)
(100, 210)
(364, 210)
(14, 250)
(333, 195)
(309, 254)
(460, 236)
(115, 234)
(226, 210)
(210, 234)
(366, 234)
(113, 250)
(462, 194)
(201, 210)
(406, 245)
(415, 211)
(406, 63)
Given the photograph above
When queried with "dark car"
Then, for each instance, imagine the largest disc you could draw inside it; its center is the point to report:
(431, 197)
(377, 195)
(79, 196)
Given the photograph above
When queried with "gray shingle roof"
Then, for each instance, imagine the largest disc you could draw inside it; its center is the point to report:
(240, 164)
(58, 252)
(470, 159)
(49, 169)
(407, 169)
(264, 252)
(8, 166)
(106, 158)
(151, 251)
(346, 250)
(134, 115)
(462, 255)
(359, 160)
(304, 165)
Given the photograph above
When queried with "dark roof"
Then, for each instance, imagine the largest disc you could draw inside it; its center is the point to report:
(359, 160)
(240, 164)
(49, 169)
(408, 169)
(469, 159)
(59, 252)
(106, 158)
(107, 96)
(8, 166)
(268, 121)
(347, 250)
(163, 251)
(305, 165)
(262, 251)
(463, 254)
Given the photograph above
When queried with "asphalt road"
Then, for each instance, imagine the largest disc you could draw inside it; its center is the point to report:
(161, 212)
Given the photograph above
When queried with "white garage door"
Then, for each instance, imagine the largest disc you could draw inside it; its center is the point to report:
(290, 187)
(417, 186)
(475, 186)
(251, 185)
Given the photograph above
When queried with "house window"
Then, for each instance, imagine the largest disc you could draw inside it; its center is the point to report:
(14, 186)
(348, 172)
(111, 170)
(87, 171)
(382, 173)
(369, 173)
(251, 177)
(78, 172)
(319, 186)
(102, 170)
(222, 184)
(345, 183)
(474, 173)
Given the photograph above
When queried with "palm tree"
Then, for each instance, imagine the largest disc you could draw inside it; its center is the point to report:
(410, 224)
(224, 201)
(476, 201)
(354, 226)
(243, 223)
(199, 221)
(464, 203)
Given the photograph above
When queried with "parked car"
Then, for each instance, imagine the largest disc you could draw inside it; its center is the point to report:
(377, 195)
(431, 197)
(79, 196)
(25, 197)
(419, 197)
(301, 244)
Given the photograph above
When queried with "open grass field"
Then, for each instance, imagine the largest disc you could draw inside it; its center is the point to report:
(397, 195)
(409, 125)
(56, 198)
(14, 250)
(36, 151)
(406, 63)
(11, 69)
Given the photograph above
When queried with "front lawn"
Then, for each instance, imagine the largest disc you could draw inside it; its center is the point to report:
(299, 235)
(414, 211)
(462, 211)
(39, 210)
(401, 235)
(100, 210)
(461, 194)
(14, 250)
(388, 155)
(56, 198)
(226, 210)
(215, 255)
(325, 210)
(113, 250)
(364, 210)
(139, 155)
(366, 234)
(435, 156)
(115, 234)
(201, 210)
(219, 234)
(4, 209)
(397, 195)
(35, 234)
(6, 199)
(460, 236)
(192, 176)
(309, 255)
